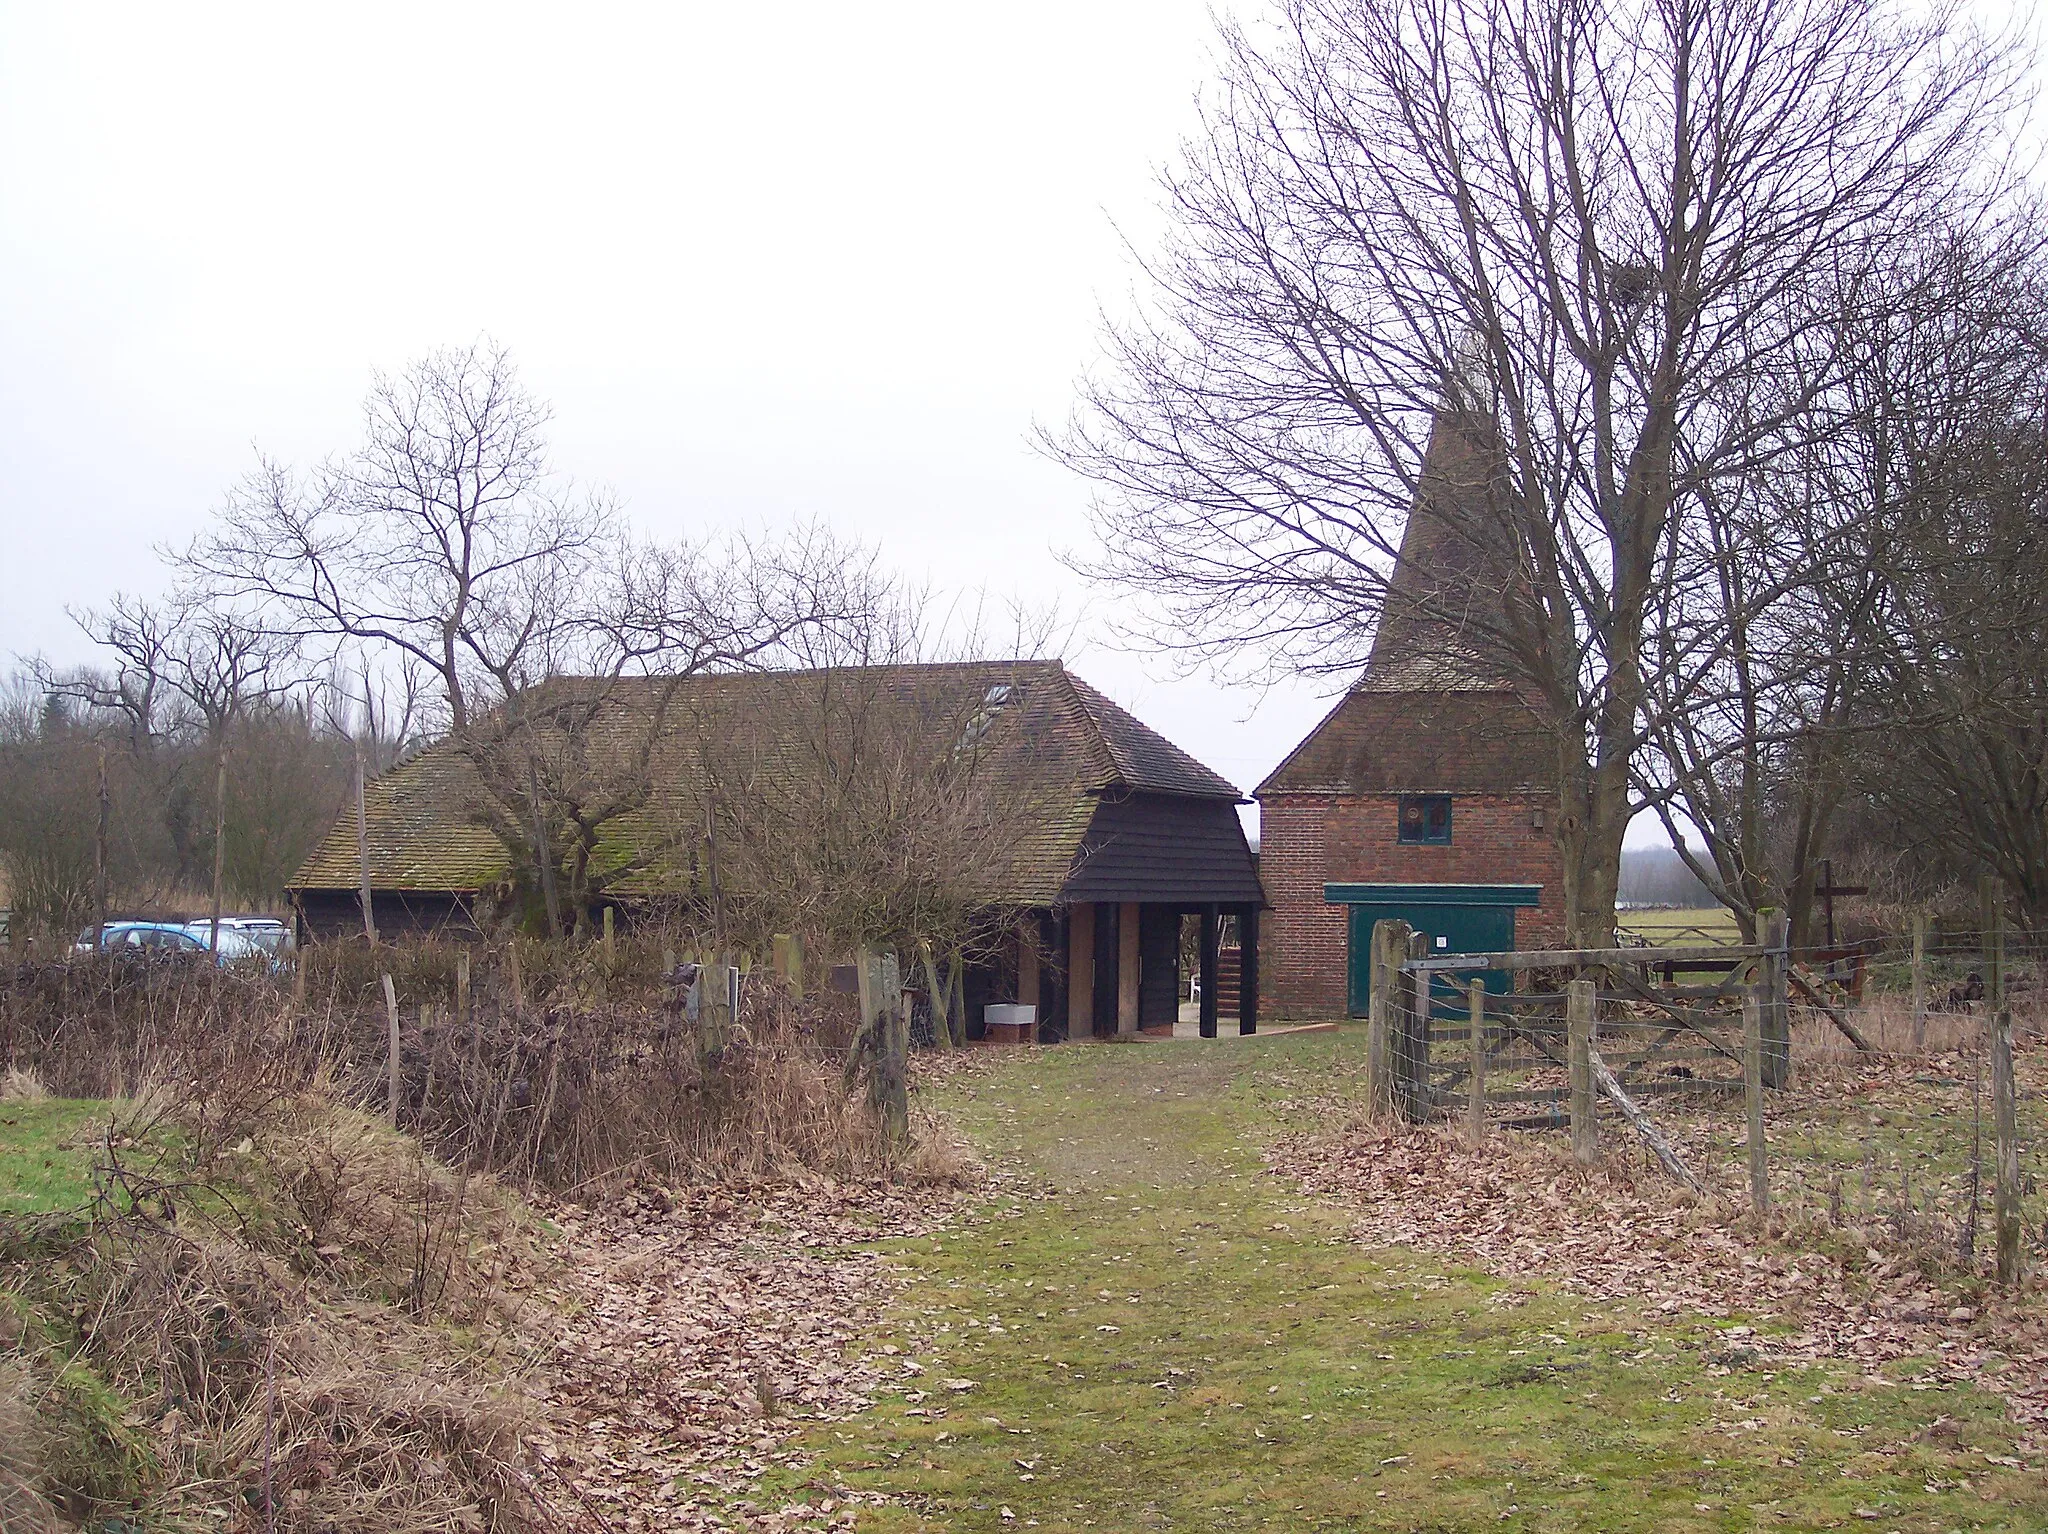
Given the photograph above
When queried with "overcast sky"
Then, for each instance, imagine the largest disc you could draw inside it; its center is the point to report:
(766, 263)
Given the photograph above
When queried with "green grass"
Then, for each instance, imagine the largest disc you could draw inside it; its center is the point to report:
(1171, 1338)
(1683, 928)
(45, 1153)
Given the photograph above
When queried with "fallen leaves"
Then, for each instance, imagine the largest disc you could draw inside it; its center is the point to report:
(1620, 1231)
(689, 1335)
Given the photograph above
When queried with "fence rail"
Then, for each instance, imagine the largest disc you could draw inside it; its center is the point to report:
(1515, 1040)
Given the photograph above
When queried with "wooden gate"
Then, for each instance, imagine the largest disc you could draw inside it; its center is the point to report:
(1656, 1022)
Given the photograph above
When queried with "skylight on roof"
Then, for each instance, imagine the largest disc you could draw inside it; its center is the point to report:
(992, 703)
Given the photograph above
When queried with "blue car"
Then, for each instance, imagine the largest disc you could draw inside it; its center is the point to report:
(170, 940)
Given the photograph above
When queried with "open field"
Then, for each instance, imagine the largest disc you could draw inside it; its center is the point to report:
(1160, 1333)
(1681, 927)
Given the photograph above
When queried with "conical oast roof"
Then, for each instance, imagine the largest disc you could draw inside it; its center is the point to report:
(1446, 600)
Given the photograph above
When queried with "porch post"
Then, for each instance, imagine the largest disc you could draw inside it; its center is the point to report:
(1208, 1013)
(1248, 970)
(1080, 971)
(1027, 962)
(1127, 967)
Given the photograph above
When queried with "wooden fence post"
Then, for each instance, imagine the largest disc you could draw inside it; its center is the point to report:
(1919, 982)
(942, 1028)
(391, 1059)
(892, 1037)
(1388, 939)
(1993, 939)
(2005, 1126)
(715, 986)
(1582, 1012)
(1414, 1041)
(512, 975)
(1475, 1103)
(1775, 973)
(462, 989)
(1753, 1052)
(607, 939)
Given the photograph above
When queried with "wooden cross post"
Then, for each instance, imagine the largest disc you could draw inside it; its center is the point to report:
(1828, 890)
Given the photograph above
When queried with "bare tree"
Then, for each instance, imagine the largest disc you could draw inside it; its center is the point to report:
(1769, 688)
(446, 548)
(1963, 770)
(1608, 241)
(445, 538)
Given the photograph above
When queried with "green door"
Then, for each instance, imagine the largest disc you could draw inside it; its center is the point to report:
(1450, 929)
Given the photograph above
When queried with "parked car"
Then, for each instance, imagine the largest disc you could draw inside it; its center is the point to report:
(267, 932)
(113, 934)
(172, 941)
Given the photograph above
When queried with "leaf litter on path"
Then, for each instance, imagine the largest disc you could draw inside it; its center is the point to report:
(690, 1335)
(1620, 1231)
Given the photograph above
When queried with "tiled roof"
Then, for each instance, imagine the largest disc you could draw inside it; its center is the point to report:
(1057, 739)
(1448, 596)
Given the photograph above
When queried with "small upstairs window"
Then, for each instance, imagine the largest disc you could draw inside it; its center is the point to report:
(1426, 819)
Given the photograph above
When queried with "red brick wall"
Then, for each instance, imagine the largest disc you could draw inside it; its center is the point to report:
(1309, 840)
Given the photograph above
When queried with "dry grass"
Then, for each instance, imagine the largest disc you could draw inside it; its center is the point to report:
(265, 1322)
(22, 1086)
(23, 1508)
(573, 1081)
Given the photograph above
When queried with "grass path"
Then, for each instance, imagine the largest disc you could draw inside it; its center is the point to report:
(1162, 1335)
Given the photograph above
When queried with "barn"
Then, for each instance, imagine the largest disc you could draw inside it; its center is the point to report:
(1428, 793)
(1129, 839)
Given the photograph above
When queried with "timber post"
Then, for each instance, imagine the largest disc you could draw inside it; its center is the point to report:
(1475, 1102)
(1248, 970)
(1414, 1039)
(1081, 961)
(1994, 942)
(1211, 919)
(391, 1057)
(1389, 938)
(718, 986)
(1775, 976)
(1127, 921)
(1753, 1053)
(462, 988)
(892, 1054)
(2005, 1126)
(1919, 982)
(1582, 1013)
(942, 1028)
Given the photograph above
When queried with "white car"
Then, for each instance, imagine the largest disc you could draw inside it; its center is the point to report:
(268, 933)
